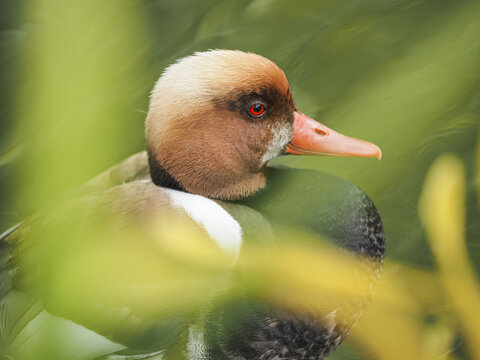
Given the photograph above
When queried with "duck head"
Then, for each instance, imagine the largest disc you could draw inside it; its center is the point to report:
(217, 117)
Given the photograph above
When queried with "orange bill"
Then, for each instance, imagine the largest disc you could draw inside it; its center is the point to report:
(312, 138)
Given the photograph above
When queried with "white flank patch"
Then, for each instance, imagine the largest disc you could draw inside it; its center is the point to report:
(281, 137)
(196, 344)
(218, 223)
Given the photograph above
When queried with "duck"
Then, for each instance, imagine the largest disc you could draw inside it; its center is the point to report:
(215, 121)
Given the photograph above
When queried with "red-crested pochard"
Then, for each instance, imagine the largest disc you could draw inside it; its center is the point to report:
(216, 119)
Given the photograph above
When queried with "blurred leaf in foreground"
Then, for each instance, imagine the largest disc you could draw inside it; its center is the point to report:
(442, 207)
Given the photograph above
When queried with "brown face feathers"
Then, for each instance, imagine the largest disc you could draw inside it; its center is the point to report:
(199, 129)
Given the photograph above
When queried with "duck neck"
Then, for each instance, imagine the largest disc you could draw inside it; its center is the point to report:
(160, 176)
(223, 186)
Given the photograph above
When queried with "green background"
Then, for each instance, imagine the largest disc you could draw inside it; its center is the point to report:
(75, 79)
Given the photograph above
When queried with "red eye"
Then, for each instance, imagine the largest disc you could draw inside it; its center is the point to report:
(257, 109)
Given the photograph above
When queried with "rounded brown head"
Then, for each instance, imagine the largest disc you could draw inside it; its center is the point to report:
(217, 117)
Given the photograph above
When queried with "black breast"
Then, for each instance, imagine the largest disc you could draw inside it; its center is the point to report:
(325, 205)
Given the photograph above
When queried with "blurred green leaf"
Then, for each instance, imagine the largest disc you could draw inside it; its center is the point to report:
(75, 84)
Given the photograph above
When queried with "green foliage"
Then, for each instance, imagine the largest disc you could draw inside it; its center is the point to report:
(403, 74)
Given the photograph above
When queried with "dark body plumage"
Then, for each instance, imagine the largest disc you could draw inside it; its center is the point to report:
(244, 328)
(341, 213)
